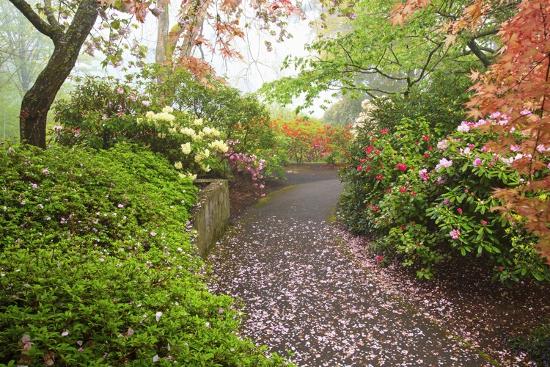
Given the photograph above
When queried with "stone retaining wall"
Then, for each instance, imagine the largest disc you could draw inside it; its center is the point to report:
(211, 215)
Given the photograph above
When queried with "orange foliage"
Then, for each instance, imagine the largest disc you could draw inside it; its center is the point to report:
(311, 140)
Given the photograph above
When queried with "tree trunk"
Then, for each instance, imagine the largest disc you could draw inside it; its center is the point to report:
(39, 98)
(162, 32)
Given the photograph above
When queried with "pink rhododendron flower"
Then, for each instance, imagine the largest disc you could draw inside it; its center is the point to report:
(443, 163)
(515, 148)
(443, 144)
(464, 127)
(477, 162)
(379, 177)
(541, 148)
(459, 210)
(455, 234)
(423, 173)
(379, 258)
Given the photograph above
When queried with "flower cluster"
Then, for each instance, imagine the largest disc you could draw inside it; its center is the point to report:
(247, 164)
(199, 146)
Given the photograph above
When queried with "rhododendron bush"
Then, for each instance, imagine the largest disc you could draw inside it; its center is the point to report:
(517, 84)
(427, 198)
(193, 125)
(191, 145)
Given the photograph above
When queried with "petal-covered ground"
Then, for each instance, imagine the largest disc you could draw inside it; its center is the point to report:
(305, 292)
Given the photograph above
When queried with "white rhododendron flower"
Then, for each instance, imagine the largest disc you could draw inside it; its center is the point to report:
(210, 131)
(188, 131)
(188, 175)
(186, 148)
(167, 109)
(178, 165)
(219, 145)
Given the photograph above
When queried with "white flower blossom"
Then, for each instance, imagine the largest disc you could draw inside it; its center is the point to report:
(186, 148)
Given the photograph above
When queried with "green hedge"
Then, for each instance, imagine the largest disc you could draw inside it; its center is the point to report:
(96, 267)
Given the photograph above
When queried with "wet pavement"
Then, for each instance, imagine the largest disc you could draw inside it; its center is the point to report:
(303, 293)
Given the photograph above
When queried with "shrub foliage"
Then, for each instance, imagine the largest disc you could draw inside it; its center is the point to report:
(96, 266)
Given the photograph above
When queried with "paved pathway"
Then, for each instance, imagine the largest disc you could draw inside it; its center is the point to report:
(303, 293)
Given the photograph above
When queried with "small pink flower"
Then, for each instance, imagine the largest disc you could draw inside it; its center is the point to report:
(459, 210)
(515, 148)
(455, 234)
(120, 90)
(464, 127)
(541, 148)
(477, 162)
(484, 222)
(379, 258)
(423, 173)
(525, 112)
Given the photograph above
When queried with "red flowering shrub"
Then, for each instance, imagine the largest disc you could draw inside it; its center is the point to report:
(311, 141)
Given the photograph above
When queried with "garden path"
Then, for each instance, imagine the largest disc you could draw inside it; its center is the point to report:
(302, 291)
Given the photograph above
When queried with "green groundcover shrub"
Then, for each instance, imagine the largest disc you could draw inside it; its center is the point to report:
(96, 266)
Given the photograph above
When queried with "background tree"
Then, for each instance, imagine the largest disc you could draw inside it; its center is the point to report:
(67, 37)
(345, 111)
(212, 26)
(376, 58)
(23, 53)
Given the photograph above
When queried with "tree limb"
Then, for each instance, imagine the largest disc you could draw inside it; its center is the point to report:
(39, 23)
(51, 17)
(472, 45)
